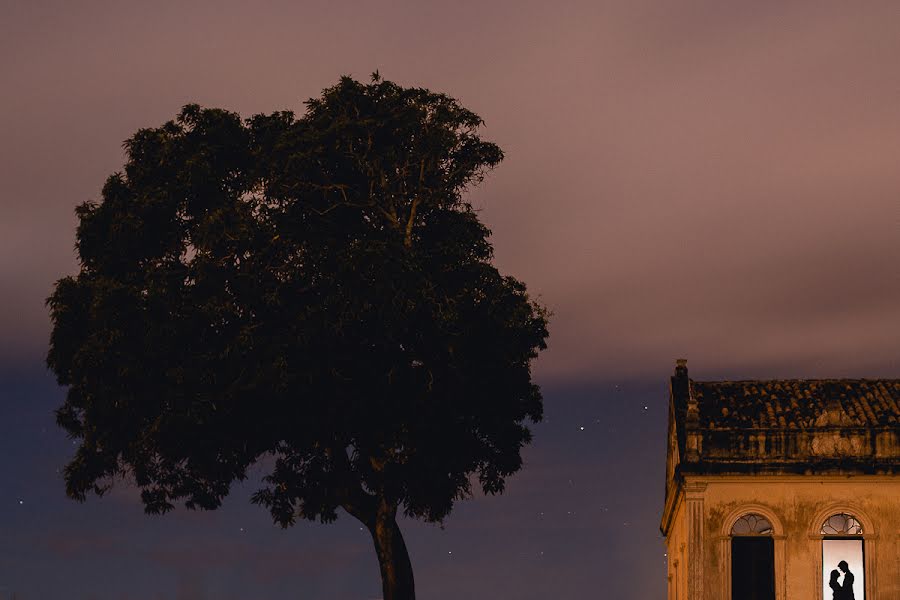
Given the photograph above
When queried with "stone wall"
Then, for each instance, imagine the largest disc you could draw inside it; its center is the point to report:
(796, 505)
(868, 449)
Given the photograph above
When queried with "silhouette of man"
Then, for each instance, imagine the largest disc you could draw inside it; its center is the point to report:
(847, 586)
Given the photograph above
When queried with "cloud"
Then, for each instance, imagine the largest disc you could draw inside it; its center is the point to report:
(712, 179)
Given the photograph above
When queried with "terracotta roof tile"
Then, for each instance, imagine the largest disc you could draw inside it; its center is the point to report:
(795, 403)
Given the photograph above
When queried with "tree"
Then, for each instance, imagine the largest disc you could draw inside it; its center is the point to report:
(314, 289)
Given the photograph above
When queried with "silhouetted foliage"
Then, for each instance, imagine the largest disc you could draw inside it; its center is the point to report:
(316, 289)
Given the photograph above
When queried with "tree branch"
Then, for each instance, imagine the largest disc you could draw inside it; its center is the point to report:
(350, 494)
(407, 240)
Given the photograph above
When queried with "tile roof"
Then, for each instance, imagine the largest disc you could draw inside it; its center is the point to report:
(796, 403)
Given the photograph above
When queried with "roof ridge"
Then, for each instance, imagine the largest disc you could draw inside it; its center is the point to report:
(830, 379)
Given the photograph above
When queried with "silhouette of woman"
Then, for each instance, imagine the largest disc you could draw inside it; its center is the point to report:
(835, 586)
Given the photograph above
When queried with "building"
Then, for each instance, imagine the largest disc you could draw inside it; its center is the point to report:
(770, 484)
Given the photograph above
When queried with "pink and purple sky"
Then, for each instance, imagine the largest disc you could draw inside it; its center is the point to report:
(706, 178)
(712, 179)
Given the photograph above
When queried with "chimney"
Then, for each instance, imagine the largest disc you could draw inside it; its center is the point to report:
(681, 386)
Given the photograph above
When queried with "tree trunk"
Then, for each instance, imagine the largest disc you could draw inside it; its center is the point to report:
(393, 558)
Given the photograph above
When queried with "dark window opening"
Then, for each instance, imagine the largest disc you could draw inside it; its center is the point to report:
(752, 568)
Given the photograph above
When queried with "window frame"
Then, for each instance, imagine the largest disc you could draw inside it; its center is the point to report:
(778, 540)
(868, 538)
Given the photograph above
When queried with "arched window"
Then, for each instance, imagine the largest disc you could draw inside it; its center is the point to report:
(842, 524)
(843, 564)
(752, 558)
(752, 524)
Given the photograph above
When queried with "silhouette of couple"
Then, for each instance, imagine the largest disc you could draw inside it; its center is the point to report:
(845, 591)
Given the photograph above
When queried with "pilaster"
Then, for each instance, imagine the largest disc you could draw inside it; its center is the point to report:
(694, 493)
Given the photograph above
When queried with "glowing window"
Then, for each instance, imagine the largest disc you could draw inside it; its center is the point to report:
(843, 568)
(843, 564)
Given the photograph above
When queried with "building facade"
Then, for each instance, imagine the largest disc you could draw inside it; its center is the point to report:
(783, 490)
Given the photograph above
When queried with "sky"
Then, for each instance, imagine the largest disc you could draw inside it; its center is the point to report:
(708, 179)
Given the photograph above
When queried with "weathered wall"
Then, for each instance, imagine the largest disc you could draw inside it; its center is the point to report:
(867, 448)
(797, 505)
(676, 552)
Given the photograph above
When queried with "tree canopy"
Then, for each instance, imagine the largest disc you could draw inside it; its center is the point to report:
(317, 289)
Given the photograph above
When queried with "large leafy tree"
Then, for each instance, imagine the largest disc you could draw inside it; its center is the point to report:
(315, 289)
